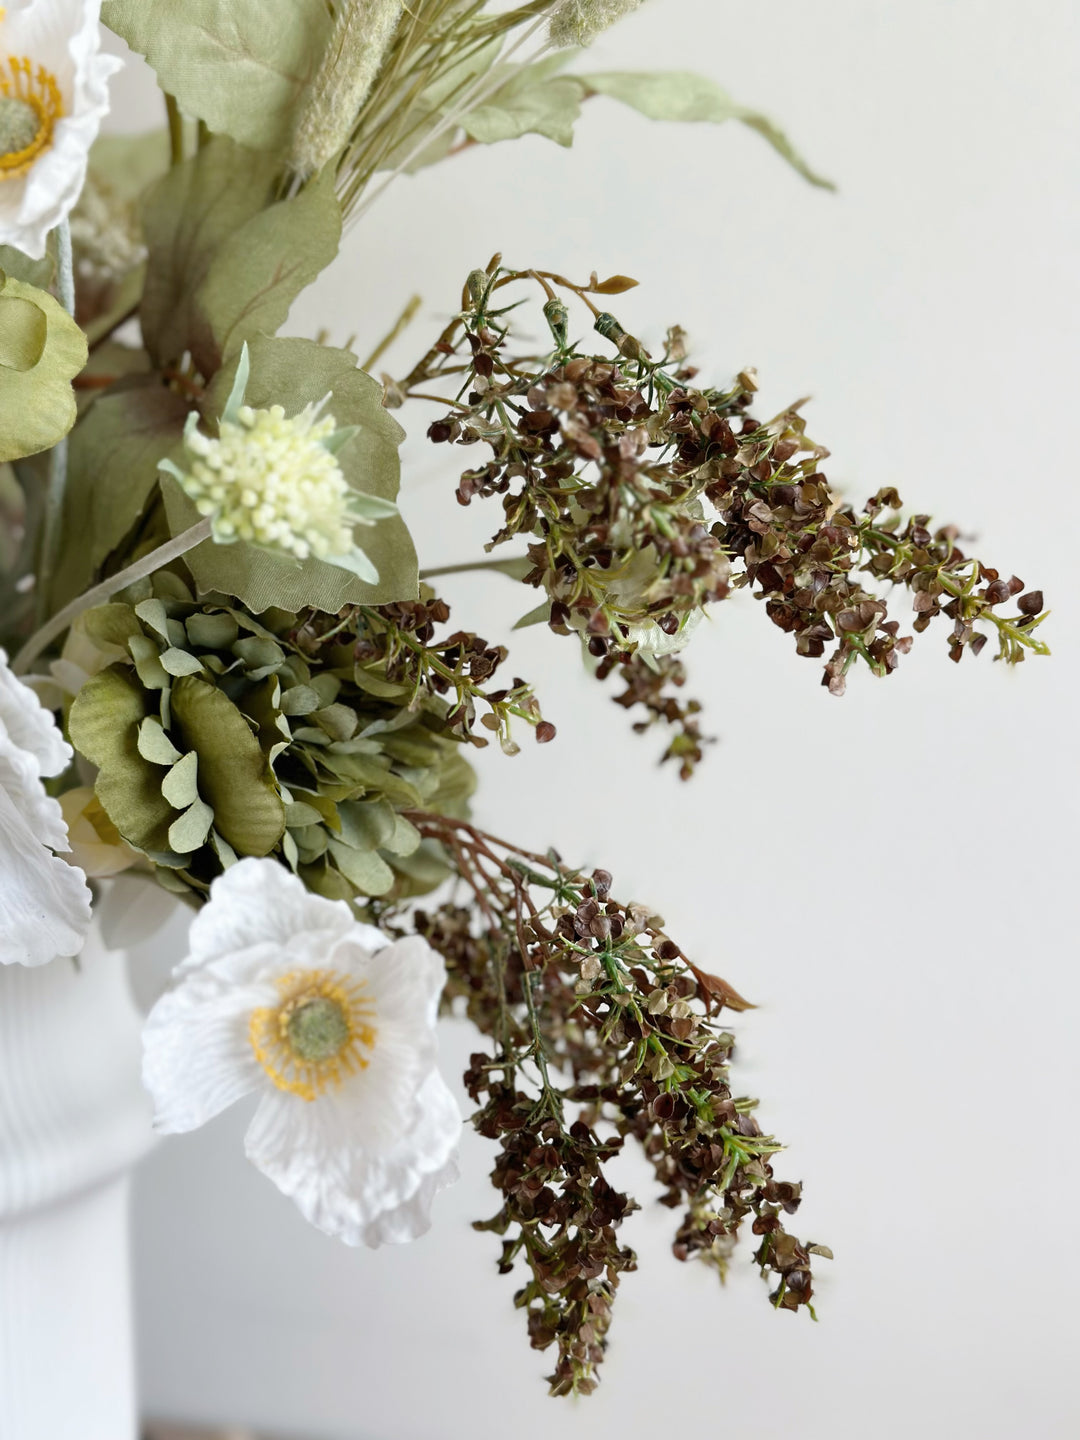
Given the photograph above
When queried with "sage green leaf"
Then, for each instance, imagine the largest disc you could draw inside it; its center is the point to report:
(338, 721)
(124, 298)
(258, 272)
(406, 837)
(260, 656)
(299, 816)
(23, 330)
(234, 776)
(112, 474)
(37, 403)
(148, 664)
(299, 700)
(364, 870)
(40, 273)
(188, 217)
(535, 99)
(104, 727)
(243, 66)
(181, 785)
(681, 95)
(180, 662)
(538, 616)
(156, 616)
(192, 828)
(110, 627)
(212, 632)
(154, 744)
(294, 372)
(366, 824)
(424, 869)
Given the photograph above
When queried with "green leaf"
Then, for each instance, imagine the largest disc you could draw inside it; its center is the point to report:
(180, 662)
(234, 776)
(540, 616)
(128, 163)
(681, 95)
(534, 100)
(294, 372)
(181, 785)
(212, 632)
(148, 666)
(23, 331)
(37, 403)
(225, 260)
(188, 217)
(39, 273)
(104, 725)
(299, 700)
(366, 824)
(189, 832)
(243, 66)
(257, 273)
(154, 744)
(363, 869)
(112, 474)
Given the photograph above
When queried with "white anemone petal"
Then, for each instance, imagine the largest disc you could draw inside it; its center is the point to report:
(28, 726)
(44, 902)
(313, 1154)
(257, 902)
(64, 36)
(197, 1055)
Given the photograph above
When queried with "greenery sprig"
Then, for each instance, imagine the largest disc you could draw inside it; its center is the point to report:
(645, 498)
(603, 1031)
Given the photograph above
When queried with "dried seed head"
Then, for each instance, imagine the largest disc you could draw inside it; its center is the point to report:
(579, 22)
(363, 30)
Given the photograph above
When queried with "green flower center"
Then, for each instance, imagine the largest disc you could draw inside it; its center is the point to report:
(19, 125)
(319, 1029)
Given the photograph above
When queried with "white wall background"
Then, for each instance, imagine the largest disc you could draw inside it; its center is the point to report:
(917, 962)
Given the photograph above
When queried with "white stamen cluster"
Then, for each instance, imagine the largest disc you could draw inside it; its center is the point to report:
(579, 22)
(271, 481)
(360, 39)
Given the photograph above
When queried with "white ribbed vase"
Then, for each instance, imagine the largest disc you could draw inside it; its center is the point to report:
(73, 1121)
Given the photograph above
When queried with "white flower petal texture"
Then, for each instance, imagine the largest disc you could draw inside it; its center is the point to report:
(285, 995)
(44, 901)
(53, 96)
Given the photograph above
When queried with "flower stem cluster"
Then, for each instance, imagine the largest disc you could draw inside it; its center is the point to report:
(400, 641)
(645, 498)
(602, 1030)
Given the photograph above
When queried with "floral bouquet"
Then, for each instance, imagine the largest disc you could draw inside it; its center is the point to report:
(226, 673)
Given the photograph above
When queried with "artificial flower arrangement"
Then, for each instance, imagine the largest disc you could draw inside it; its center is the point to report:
(228, 674)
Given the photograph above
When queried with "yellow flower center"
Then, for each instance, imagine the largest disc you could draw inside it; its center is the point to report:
(30, 106)
(319, 1033)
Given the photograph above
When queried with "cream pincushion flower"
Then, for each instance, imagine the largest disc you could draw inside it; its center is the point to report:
(284, 994)
(274, 481)
(53, 95)
(44, 902)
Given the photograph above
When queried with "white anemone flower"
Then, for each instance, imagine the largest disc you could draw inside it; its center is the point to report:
(53, 95)
(44, 902)
(286, 995)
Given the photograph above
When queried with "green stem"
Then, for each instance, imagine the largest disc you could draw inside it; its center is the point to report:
(176, 131)
(464, 567)
(163, 555)
(58, 458)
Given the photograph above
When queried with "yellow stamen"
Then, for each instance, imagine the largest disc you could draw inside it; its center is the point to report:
(317, 1035)
(30, 106)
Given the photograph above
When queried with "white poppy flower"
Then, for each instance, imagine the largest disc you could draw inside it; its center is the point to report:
(44, 902)
(53, 95)
(284, 994)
